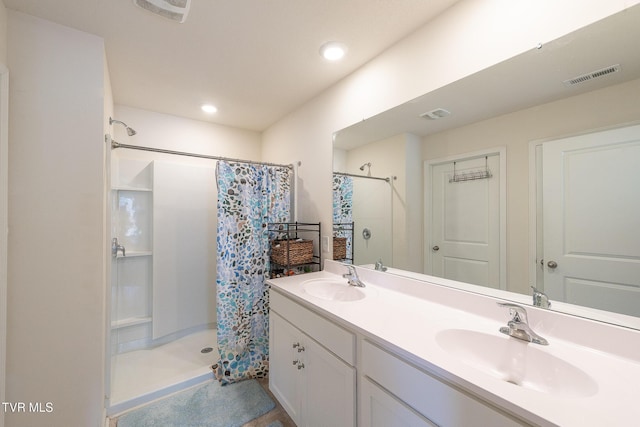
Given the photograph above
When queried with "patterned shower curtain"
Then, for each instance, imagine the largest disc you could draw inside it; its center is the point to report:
(343, 207)
(249, 197)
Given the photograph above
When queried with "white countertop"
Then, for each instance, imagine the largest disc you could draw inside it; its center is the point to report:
(407, 314)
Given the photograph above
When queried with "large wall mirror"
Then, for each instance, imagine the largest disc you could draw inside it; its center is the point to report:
(514, 176)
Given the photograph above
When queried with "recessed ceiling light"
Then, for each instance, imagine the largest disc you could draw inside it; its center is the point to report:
(333, 51)
(208, 108)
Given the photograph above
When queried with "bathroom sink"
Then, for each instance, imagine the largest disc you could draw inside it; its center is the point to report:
(332, 290)
(517, 362)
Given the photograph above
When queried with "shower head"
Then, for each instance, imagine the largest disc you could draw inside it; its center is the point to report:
(368, 164)
(130, 131)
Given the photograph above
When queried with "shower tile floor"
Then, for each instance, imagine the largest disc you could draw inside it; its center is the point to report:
(163, 369)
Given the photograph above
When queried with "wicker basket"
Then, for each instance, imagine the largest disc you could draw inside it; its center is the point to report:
(300, 252)
(339, 247)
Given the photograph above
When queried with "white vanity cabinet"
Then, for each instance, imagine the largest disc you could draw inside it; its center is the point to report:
(424, 354)
(394, 389)
(311, 369)
(312, 373)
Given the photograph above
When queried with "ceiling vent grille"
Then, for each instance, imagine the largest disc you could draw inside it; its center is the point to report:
(592, 75)
(175, 10)
(436, 114)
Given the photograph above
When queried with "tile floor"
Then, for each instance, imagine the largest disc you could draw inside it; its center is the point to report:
(276, 414)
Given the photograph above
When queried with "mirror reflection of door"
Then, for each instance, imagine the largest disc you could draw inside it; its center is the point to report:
(464, 220)
(591, 220)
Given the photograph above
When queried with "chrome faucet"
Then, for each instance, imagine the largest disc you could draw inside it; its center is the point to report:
(380, 266)
(352, 277)
(115, 247)
(540, 299)
(518, 326)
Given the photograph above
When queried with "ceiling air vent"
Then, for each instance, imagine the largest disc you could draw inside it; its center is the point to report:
(592, 75)
(436, 114)
(175, 10)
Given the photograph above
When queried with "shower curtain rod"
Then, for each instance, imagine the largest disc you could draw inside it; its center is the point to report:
(115, 144)
(363, 176)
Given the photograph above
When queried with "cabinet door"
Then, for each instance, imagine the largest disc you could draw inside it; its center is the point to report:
(380, 409)
(330, 388)
(284, 376)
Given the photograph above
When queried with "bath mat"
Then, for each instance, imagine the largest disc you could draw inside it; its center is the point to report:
(209, 405)
(275, 424)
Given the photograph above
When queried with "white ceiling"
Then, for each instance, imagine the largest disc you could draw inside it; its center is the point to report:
(256, 60)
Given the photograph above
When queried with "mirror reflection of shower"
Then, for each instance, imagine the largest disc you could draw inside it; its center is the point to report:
(362, 214)
(130, 131)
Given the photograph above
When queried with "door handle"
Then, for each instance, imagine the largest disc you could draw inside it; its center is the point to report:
(552, 264)
(436, 248)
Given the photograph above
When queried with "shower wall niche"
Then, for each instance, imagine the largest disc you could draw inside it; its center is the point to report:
(132, 268)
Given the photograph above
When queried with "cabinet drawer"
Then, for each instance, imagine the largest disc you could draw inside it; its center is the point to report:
(336, 339)
(444, 405)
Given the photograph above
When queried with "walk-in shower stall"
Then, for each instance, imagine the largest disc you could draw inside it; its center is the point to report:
(163, 308)
(162, 333)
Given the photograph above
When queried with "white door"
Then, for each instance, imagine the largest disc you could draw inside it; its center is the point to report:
(591, 212)
(464, 218)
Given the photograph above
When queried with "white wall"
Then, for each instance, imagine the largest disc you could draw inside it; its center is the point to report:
(56, 317)
(465, 39)
(4, 88)
(180, 134)
(3, 33)
(4, 188)
(611, 106)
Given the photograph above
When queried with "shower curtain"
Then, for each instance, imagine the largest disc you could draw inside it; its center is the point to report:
(343, 207)
(249, 197)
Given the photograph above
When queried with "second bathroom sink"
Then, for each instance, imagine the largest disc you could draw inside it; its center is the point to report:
(517, 362)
